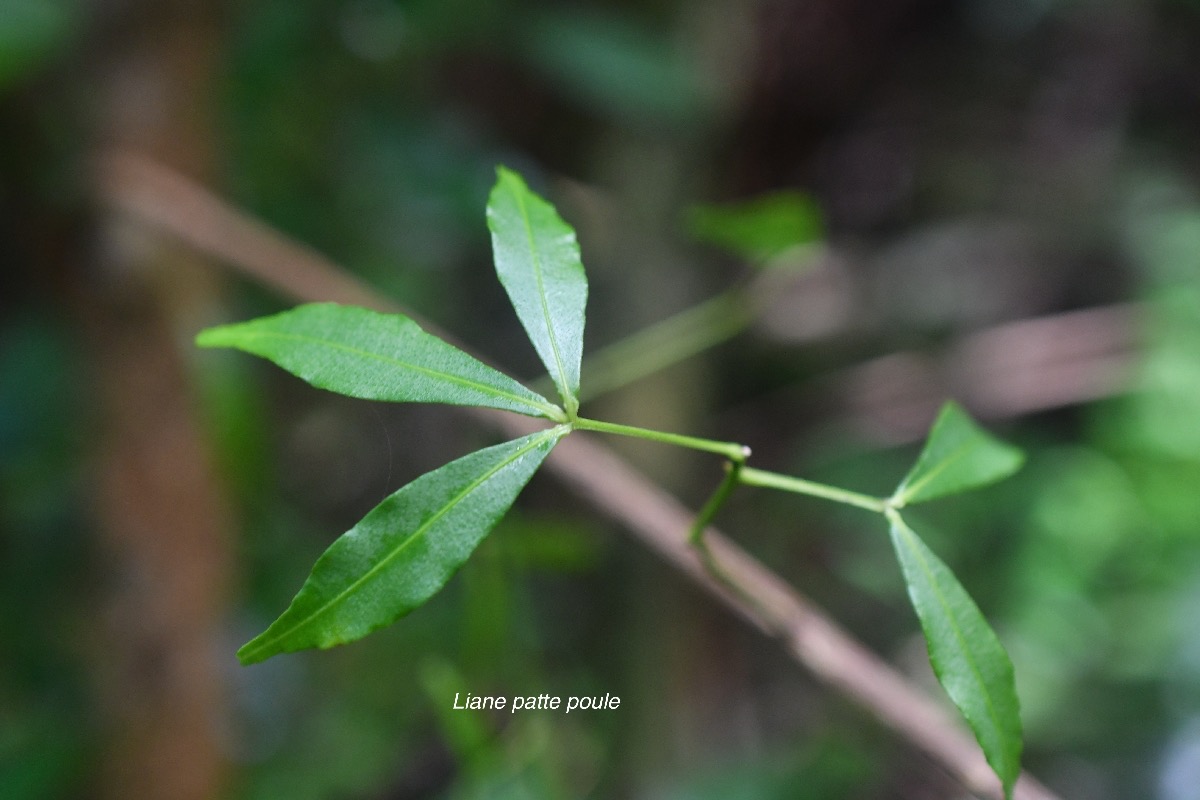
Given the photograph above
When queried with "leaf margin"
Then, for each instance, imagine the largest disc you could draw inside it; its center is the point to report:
(472, 375)
(1002, 742)
(555, 337)
(279, 636)
(924, 472)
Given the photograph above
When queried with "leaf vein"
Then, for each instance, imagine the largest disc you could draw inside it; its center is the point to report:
(958, 634)
(945, 464)
(396, 362)
(564, 386)
(415, 536)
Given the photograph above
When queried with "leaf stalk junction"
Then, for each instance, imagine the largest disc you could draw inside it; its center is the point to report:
(738, 473)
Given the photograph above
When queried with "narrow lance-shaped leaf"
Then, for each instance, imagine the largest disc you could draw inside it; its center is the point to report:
(537, 260)
(362, 353)
(967, 658)
(403, 551)
(958, 455)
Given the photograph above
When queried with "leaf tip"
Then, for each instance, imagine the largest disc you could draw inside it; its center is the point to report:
(507, 175)
(213, 337)
(965, 653)
(253, 652)
(958, 455)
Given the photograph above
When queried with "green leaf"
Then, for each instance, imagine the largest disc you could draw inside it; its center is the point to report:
(33, 32)
(760, 229)
(376, 356)
(614, 67)
(403, 551)
(958, 455)
(537, 259)
(967, 658)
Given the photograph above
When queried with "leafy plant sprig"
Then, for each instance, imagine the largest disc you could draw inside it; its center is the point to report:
(404, 550)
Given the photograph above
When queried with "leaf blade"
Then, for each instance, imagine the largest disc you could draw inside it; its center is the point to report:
(958, 455)
(965, 653)
(362, 353)
(761, 229)
(538, 263)
(404, 550)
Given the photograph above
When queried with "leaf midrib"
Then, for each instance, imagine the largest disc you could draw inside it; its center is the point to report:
(447, 376)
(912, 489)
(958, 634)
(564, 386)
(416, 535)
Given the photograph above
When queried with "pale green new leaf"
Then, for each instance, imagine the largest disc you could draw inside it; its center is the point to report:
(537, 260)
(362, 353)
(958, 455)
(403, 551)
(967, 658)
(762, 228)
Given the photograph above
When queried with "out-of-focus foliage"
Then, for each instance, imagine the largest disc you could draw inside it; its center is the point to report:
(760, 229)
(44, 730)
(975, 162)
(611, 65)
(32, 32)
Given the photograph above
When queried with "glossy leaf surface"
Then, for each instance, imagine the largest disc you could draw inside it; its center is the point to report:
(404, 550)
(966, 656)
(537, 260)
(362, 353)
(958, 455)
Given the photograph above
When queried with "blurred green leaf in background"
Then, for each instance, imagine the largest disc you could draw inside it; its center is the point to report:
(976, 163)
(33, 32)
(761, 229)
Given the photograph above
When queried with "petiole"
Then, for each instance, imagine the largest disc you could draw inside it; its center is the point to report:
(773, 480)
(737, 453)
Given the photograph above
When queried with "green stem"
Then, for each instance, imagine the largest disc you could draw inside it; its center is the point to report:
(733, 471)
(739, 473)
(736, 453)
(665, 343)
(773, 480)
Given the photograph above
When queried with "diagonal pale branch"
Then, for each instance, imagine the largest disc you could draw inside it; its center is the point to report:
(166, 200)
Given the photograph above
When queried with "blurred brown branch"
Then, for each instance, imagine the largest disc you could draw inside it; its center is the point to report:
(1003, 371)
(158, 197)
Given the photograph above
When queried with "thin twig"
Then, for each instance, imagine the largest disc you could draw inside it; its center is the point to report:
(154, 194)
(157, 196)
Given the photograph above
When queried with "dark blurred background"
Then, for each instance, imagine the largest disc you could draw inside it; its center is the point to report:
(996, 200)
